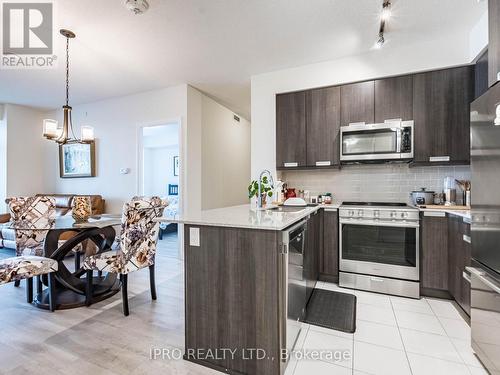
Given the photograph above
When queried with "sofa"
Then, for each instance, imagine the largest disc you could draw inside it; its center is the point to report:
(63, 208)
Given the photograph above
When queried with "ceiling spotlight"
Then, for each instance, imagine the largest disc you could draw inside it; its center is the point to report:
(386, 11)
(137, 6)
(380, 42)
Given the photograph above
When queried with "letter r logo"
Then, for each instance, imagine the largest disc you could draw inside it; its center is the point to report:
(27, 28)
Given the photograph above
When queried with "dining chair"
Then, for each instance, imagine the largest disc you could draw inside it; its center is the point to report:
(27, 267)
(29, 213)
(136, 246)
(34, 212)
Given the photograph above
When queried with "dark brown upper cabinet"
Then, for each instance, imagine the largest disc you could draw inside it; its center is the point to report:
(291, 129)
(394, 98)
(494, 41)
(441, 102)
(481, 75)
(357, 103)
(323, 126)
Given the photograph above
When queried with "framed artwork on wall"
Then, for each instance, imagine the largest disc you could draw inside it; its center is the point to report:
(77, 160)
(176, 165)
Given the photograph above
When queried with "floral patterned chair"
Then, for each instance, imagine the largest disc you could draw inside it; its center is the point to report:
(27, 267)
(31, 212)
(136, 246)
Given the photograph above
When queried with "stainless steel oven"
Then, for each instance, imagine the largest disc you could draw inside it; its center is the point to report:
(392, 140)
(379, 248)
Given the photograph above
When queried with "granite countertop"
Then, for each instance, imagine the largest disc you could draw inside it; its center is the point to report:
(245, 217)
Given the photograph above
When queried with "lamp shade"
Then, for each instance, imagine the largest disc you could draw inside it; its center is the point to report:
(87, 133)
(49, 128)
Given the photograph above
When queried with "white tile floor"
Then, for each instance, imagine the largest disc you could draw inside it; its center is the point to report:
(393, 335)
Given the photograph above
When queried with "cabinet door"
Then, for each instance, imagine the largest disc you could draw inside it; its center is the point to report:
(455, 254)
(441, 102)
(323, 124)
(434, 252)
(481, 75)
(311, 256)
(357, 103)
(463, 298)
(232, 294)
(494, 41)
(291, 129)
(394, 98)
(330, 255)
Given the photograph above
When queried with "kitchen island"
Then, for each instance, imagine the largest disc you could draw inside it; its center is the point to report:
(236, 287)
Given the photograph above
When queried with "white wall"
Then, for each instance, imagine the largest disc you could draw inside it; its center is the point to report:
(388, 61)
(26, 164)
(116, 123)
(226, 156)
(478, 38)
(218, 166)
(159, 169)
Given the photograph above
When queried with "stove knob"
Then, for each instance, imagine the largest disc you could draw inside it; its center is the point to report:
(376, 213)
(360, 213)
(351, 213)
(393, 214)
(404, 215)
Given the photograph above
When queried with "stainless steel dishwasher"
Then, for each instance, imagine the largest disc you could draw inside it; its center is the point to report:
(294, 239)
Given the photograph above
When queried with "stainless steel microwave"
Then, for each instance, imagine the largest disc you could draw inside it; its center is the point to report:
(392, 140)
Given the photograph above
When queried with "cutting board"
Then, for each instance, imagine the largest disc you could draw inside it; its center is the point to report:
(442, 207)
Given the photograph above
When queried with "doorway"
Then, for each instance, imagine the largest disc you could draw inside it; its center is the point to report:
(160, 175)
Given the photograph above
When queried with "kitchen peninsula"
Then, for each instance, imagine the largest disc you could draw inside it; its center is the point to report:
(237, 279)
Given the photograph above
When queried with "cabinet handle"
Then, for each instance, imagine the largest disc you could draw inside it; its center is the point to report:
(434, 213)
(439, 158)
(466, 238)
(290, 164)
(323, 163)
(377, 279)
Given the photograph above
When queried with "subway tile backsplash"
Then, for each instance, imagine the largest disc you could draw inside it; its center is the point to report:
(383, 183)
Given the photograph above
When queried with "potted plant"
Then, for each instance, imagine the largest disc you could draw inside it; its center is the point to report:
(266, 189)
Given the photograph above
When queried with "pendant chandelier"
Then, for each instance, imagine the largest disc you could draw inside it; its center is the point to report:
(62, 135)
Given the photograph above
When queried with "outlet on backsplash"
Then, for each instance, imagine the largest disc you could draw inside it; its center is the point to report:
(387, 182)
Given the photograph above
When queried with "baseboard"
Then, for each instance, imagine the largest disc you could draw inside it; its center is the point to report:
(436, 293)
(328, 278)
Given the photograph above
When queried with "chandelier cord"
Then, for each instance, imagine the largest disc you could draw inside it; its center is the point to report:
(67, 71)
(67, 91)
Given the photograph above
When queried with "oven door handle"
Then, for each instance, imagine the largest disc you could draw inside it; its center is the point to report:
(376, 223)
(398, 140)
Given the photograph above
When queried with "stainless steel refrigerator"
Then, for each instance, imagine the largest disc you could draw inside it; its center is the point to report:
(485, 228)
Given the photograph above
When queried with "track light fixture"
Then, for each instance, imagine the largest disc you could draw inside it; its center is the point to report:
(384, 17)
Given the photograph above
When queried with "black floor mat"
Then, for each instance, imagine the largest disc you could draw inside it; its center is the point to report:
(332, 310)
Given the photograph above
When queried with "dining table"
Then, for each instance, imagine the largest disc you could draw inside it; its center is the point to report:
(70, 282)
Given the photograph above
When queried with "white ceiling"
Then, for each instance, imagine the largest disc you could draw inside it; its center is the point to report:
(217, 45)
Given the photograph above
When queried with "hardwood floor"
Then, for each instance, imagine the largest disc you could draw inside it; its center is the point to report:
(99, 339)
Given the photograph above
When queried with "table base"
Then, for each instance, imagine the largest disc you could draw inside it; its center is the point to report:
(68, 299)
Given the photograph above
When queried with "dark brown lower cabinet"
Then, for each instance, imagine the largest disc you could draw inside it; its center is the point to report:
(312, 251)
(232, 298)
(434, 254)
(329, 254)
(459, 257)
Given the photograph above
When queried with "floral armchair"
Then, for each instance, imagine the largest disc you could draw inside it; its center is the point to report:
(137, 245)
